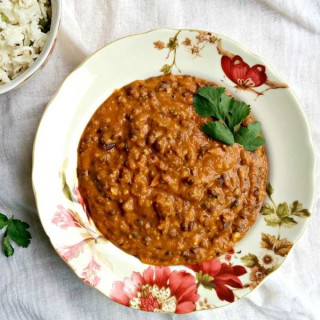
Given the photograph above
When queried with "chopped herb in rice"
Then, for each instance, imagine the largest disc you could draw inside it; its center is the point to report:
(24, 25)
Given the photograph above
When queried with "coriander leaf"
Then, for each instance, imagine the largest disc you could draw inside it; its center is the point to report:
(218, 131)
(45, 25)
(208, 102)
(203, 107)
(225, 102)
(3, 221)
(212, 94)
(254, 144)
(250, 137)
(238, 112)
(7, 247)
(213, 102)
(17, 231)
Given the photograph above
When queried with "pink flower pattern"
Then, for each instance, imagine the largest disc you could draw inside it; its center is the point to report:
(157, 290)
(64, 218)
(79, 198)
(71, 252)
(89, 274)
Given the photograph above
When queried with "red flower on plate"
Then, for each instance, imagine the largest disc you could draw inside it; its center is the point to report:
(219, 276)
(241, 74)
(157, 289)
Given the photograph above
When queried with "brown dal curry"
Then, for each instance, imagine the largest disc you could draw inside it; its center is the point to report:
(156, 186)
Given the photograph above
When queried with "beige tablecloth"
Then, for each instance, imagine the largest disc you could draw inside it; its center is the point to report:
(35, 283)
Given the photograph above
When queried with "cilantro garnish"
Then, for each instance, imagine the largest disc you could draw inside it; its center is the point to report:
(44, 25)
(228, 115)
(249, 136)
(218, 131)
(16, 230)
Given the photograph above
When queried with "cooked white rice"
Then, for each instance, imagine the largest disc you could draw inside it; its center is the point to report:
(23, 27)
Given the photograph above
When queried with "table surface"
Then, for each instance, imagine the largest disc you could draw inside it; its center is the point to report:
(35, 283)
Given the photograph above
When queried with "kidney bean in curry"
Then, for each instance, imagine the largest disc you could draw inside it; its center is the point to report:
(156, 186)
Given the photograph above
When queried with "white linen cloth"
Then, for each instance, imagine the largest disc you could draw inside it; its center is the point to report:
(35, 283)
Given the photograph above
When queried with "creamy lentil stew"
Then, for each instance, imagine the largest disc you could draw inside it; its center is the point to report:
(159, 188)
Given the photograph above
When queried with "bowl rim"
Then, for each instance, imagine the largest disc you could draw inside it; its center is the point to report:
(45, 53)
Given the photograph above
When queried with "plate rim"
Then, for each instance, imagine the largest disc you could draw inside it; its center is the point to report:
(310, 142)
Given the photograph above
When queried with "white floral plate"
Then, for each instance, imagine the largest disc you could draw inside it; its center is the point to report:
(176, 289)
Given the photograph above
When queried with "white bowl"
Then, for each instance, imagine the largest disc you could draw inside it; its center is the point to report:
(45, 54)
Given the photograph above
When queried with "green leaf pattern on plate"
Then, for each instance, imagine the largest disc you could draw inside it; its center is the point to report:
(274, 247)
(282, 215)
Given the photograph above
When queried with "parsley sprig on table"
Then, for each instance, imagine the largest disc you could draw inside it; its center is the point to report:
(228, 115)
(16, 230)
